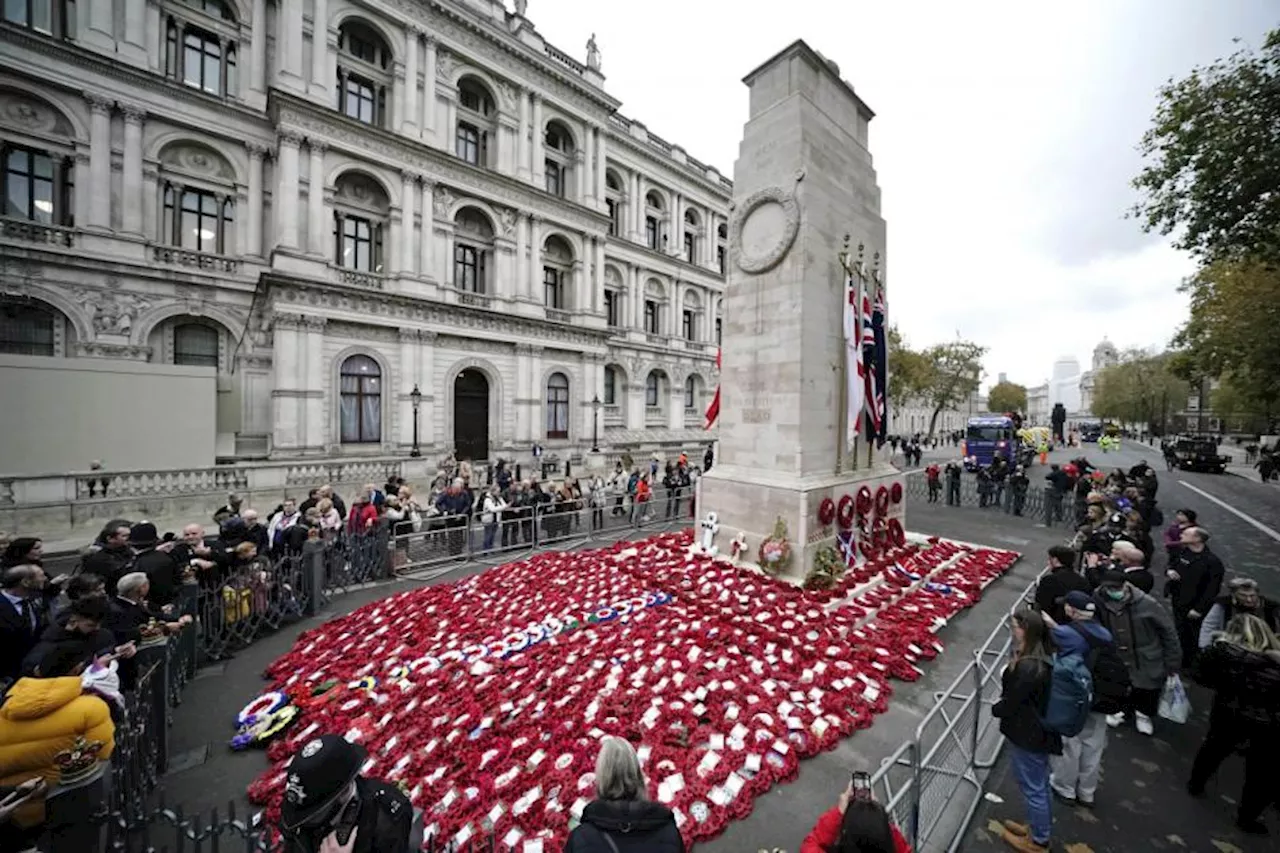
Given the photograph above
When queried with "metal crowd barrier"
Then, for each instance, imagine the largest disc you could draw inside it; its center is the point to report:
(1040, 504)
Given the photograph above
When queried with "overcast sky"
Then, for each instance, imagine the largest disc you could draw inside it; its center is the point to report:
(1004, 141)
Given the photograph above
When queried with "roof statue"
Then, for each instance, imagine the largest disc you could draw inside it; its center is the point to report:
(522, 6)
(593, 54)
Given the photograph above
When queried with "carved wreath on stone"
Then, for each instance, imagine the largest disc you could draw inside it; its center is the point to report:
(790, 227)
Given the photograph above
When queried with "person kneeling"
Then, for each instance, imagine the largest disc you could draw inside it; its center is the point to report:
(856, 824)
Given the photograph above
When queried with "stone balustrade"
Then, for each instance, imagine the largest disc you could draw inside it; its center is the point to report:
(37, 232)
(179, 257)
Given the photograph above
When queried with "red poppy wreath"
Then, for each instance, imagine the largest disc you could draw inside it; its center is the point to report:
(486, 698)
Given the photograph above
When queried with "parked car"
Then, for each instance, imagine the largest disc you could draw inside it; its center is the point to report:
(1199, 454)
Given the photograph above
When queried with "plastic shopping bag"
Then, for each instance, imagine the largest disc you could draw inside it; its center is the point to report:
(1174, 704)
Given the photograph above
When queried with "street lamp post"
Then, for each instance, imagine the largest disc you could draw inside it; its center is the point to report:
(595, 424)
(415, 397)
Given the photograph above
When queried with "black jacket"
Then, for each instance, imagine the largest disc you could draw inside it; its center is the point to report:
(1246, 683)
(1023, 702)
(163, 572)
(1053, 588)
(1201, 580)
(18, 636)
(386, 823)
(110, 564)
(634, 827)
(60, 651)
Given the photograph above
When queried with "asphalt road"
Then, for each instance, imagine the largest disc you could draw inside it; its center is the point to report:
(207, 774)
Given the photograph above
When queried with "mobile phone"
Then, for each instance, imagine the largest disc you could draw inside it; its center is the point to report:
(861, 786)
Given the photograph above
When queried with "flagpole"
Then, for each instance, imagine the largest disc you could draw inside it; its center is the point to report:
(862, 295)
(842, 365)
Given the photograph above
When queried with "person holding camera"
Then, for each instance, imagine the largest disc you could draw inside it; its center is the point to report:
(330, 808)
(856, 824)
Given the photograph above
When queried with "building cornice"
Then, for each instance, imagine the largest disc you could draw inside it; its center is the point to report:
(373, 308)
(360, 140)
(675, 171)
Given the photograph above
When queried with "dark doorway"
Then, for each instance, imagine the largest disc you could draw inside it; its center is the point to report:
(471, 416)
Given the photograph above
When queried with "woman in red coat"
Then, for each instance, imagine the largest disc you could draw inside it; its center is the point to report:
(855, 826)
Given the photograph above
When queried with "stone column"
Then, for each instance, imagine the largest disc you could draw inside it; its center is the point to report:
(99, 161)
(535, 260)
(675, 233)
(409, 360)
(709, 239)
(450, 128)
(253, 245)
(289, 43)
(135, 31)
(522, 257)
(602, 166)
(84, 178)
(285, 200)
(286, 396)
(585, 159)
(408, 197)
(580, 169)
(637, 299)
(132, 201)
(150, 202)
(258, 47)
(428, 228)
(410, 124)
(99, 27)
(319, 51)
(675, 405)
(315, 429)
(429, 92)
(537, 166)
(317, 232)
(675, 323)
(426, 378)
(637, 210)
(446, 262)
(597, 274)
(522, 141)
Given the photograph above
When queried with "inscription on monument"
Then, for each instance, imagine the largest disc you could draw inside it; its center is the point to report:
(757, 416)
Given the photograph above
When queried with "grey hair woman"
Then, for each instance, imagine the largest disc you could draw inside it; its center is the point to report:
(622, 819)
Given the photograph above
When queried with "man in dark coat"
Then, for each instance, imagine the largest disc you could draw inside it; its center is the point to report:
(160, 566)
(23, 617)
(113, 560)
(1194, 580)
(68, 648)
(1061, 579)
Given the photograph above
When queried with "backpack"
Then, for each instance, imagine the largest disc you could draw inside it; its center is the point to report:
(1111, 683)
(1070, 696)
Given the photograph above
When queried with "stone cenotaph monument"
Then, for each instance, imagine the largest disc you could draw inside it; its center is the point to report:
(803, 184)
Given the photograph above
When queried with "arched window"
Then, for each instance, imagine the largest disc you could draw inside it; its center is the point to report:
(653, 208)
(27, 329)
(50, 17)
(557, 406)
(195, 345)
(614, 202)
(476, 121)
(197, 199)
(690, 237)
(557, 275)
(360, 212)
(691, 392)
(360, 409)
(38, 186)
(654, 298)
(610, 385)
(691, 313)
(557, 146)
(364, 75)
(201, 46)
(472, 250)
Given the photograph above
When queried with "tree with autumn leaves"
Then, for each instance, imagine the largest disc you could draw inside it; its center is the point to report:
(1210, 180)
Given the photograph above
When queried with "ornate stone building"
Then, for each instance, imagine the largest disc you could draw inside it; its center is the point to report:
(324, 205)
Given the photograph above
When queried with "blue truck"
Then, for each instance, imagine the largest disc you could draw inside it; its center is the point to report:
(987, 437)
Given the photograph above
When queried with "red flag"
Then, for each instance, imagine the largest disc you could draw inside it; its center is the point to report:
(713, 410)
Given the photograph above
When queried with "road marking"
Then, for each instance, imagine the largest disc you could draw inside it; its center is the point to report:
(1237, 513)
(1012, 540)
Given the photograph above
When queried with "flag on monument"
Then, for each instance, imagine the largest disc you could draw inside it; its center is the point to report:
(854, 367)
(871, 392)
(881, 366)
(713, 410)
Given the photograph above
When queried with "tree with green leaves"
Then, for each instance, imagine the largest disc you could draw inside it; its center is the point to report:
(1007, 397)
(1139, 389)
(1234, 330)
(908, 371)
(954, 370)
(1213, 158)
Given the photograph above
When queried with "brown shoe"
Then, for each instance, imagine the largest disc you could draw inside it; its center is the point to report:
(1012, 826)
(1022, 843)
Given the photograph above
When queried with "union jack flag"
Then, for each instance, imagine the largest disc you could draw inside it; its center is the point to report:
(871, 393)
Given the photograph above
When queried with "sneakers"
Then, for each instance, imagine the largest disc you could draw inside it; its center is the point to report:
(1021, 842)
(1144, 724)
(1114, 720)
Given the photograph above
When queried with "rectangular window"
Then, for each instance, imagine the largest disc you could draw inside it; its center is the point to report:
(651, 316)
(359, 100)
(690, 248)
(651, 395)
(651, 232)
(202, 61)
(198, 226)
(356, 244)
(195, 345)
(611, 305)
(689, 323)
(717, 331)
(29, 178)
(26, 330)
(468, 143)
(610, 386)
(689, 394)
(720, 258)
(553, 287)
(468, 268)
(43, 16)
(615, 227)
(555, 178)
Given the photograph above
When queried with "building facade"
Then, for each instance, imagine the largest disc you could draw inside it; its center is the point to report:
(359, 225)
(1104, 355)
